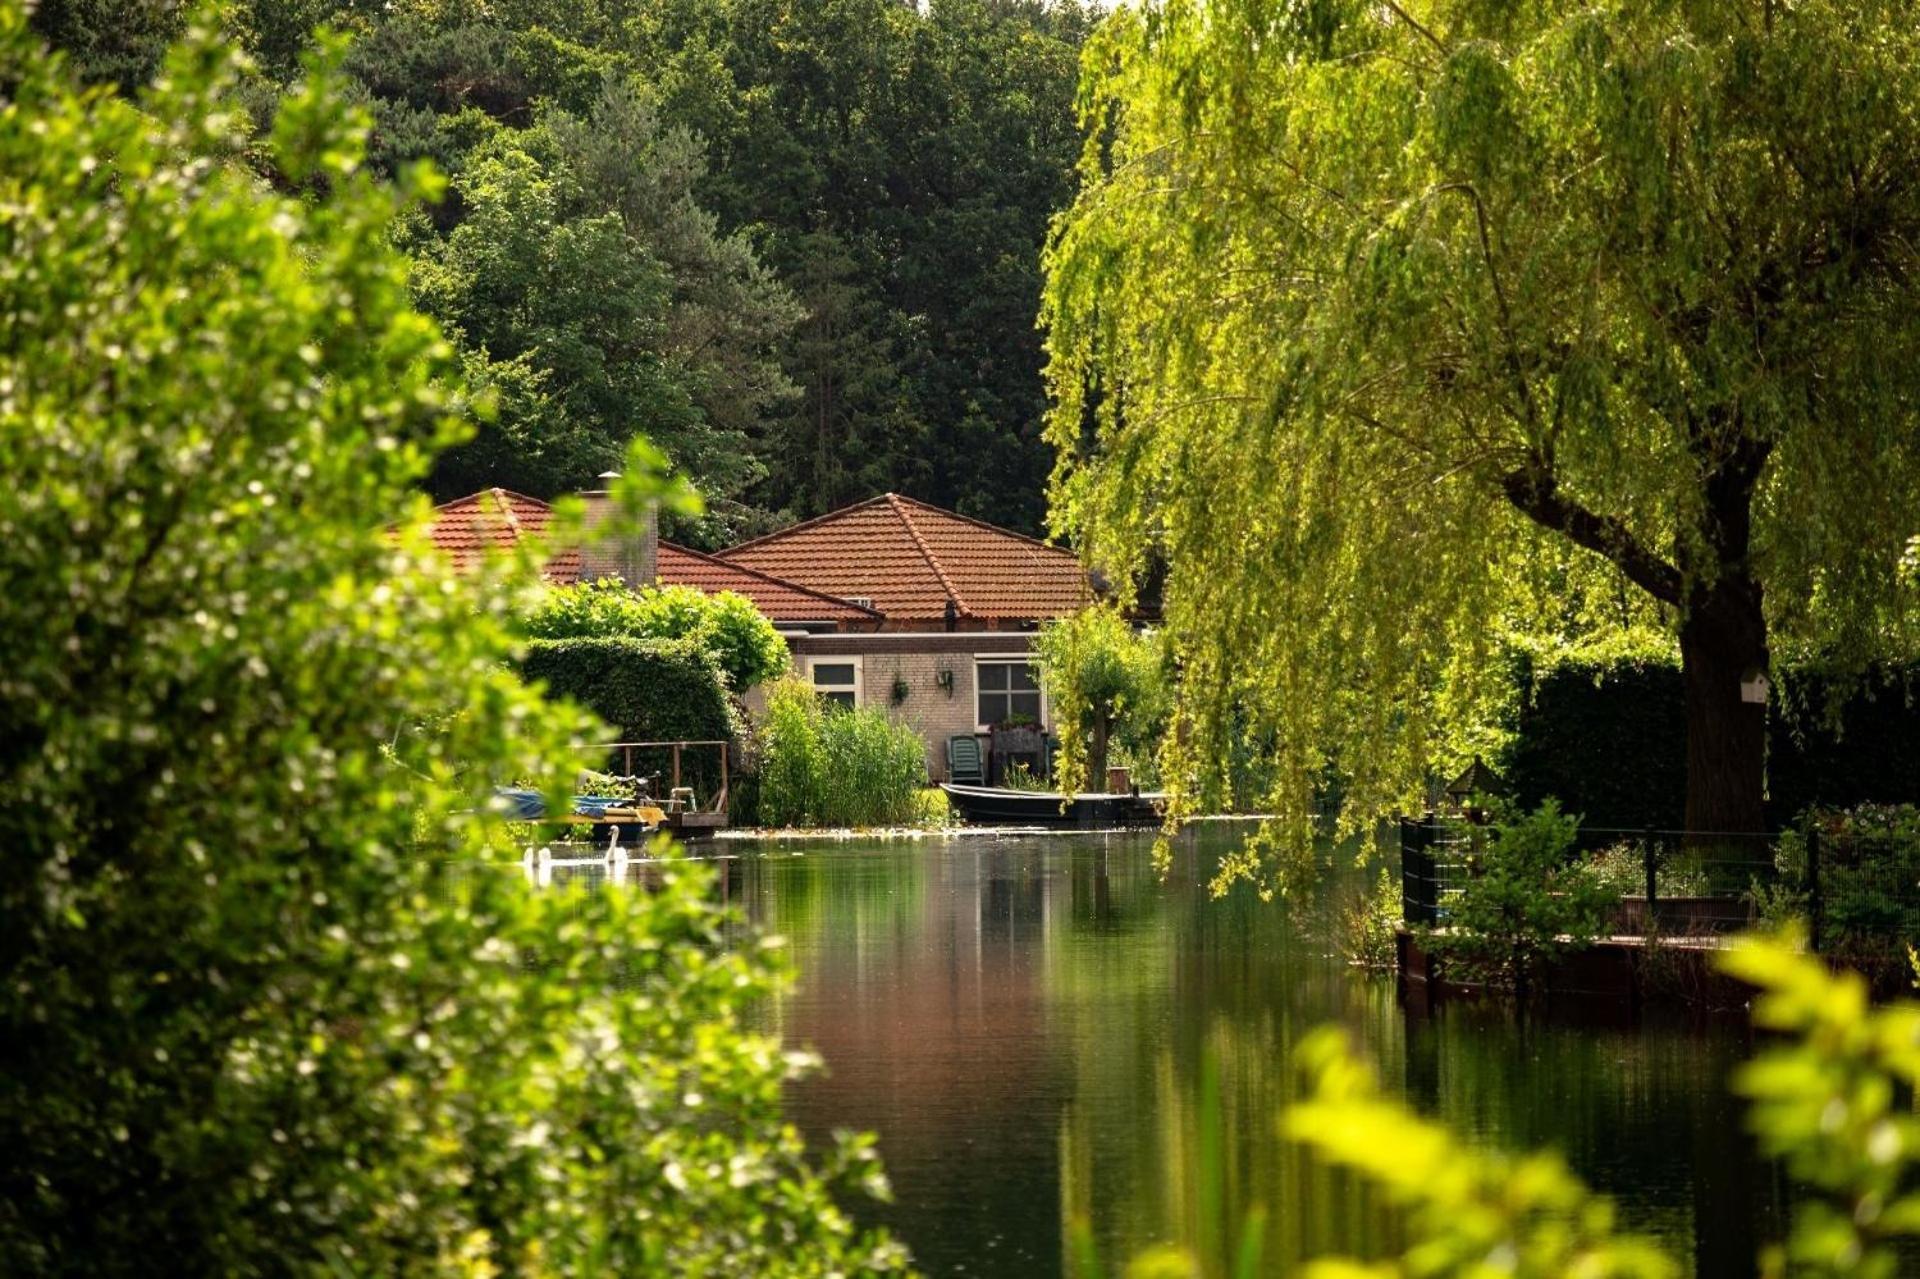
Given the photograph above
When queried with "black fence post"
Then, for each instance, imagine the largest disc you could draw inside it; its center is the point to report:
(1653, 878)
(1814, 904)
(1418, 898)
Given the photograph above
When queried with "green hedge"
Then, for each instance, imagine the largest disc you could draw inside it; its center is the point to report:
(647, 691)
(1610, 742)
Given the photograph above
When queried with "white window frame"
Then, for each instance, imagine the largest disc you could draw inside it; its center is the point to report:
(858, 687)
(1008, 659)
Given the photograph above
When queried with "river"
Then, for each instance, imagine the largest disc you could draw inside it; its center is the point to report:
(1043, 1029)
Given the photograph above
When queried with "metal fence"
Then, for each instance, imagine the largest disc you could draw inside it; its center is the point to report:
(1854, 884)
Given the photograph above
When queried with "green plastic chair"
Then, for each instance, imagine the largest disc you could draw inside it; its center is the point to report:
(963, 760)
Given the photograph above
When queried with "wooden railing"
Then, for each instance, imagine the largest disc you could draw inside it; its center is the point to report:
(627, 749)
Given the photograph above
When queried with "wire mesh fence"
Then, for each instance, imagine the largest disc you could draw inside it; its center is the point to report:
(1851, 880)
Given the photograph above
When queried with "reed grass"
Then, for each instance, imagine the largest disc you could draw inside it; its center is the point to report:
(822, 764)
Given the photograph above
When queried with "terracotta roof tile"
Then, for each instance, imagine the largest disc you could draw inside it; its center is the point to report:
(911, 559)
(492, 519)
(780, 600)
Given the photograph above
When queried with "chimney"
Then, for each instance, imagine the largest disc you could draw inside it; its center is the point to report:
(633, 554)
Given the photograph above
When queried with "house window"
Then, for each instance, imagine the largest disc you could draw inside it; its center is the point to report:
(1008, 688)
(837, 679)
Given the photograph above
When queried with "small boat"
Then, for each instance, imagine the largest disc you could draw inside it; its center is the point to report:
(626, 821)
(1089, 810)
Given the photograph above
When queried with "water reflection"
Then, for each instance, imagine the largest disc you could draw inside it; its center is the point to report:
(1039, 1028)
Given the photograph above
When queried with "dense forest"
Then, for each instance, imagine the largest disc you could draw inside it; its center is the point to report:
(795, 242)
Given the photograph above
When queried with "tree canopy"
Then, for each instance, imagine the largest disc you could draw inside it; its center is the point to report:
(1389, 326)
(263, 1014)
(795, 241)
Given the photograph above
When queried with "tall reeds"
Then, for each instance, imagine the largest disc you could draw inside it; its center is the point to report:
(822, 764)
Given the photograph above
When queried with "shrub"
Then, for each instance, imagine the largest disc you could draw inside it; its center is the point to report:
(1527, 900)
(790, 753)
(1621, 868)
(1869, 885)
(874, 768)
(255, 1019)
(742, 641)
(822, 764)
(648, 690)
(1370, 924)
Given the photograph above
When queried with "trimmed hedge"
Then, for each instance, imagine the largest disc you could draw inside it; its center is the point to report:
(647, 690)
(1610, 742)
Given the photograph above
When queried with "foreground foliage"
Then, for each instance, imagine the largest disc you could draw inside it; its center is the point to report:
(1383, 323)
(1832, 1099)
(254, 1023)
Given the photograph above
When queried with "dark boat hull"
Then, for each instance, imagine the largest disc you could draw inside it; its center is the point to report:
(996, 806)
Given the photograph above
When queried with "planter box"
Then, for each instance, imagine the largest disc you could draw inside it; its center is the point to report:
(1680, 916)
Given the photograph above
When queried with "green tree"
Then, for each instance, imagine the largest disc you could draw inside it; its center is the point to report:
(900, 166)
(260, 1013)
(593, 289)
(883, 171)
(1101, 675)
(1366, 314)
(1528, 899)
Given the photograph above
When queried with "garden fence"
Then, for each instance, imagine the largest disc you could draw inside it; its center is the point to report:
(1854, 886)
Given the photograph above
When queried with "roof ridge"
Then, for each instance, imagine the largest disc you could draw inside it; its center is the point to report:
(765, 576)
(494, 491)
(896, 503)
(806, 523)
(505, 511)
(979, 523)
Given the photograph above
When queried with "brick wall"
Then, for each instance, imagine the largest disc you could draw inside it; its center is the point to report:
(918, 663)
(633, 558)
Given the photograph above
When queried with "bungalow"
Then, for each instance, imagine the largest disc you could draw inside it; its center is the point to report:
(959, 602)
(889, 602)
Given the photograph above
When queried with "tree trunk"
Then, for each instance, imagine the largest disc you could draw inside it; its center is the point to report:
(1723, 640)
(1097, 752)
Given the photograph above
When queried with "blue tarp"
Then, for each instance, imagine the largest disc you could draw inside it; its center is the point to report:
(531, 806)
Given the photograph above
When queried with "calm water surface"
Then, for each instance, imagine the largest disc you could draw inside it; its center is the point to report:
(1037, 1026)
(1034, 1027)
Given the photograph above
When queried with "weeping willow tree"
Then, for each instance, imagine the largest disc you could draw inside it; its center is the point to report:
(1382, 321)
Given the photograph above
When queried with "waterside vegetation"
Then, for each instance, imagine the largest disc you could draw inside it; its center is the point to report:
(823, 764)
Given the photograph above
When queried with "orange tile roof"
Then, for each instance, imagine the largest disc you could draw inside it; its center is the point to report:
(912, 559)
(780, 600)
(468, 527)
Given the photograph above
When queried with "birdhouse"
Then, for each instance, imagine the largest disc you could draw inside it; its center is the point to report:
(1478, 779)
(1753, 686)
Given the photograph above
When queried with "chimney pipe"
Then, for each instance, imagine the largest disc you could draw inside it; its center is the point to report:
(633, 555)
